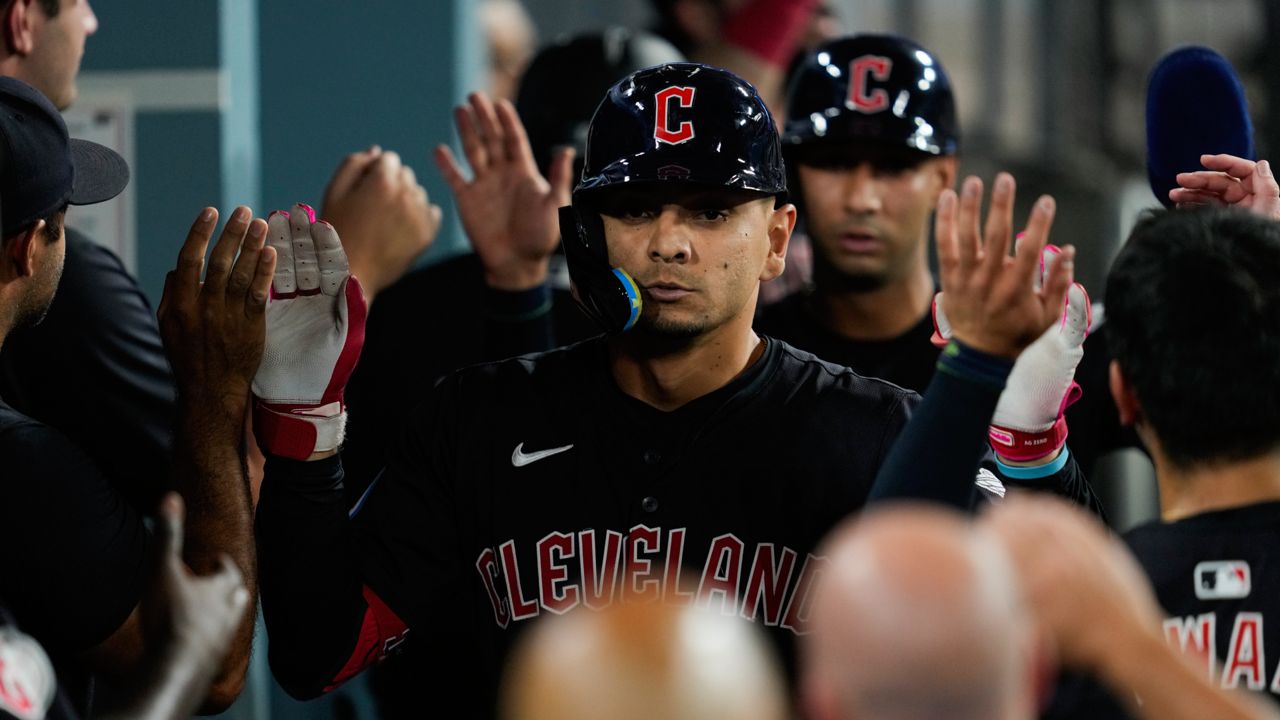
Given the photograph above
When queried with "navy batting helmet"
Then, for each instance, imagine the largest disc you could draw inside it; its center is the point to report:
(878, 88)
(675, 123)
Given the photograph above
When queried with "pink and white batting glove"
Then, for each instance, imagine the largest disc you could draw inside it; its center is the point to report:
(315, 329)
(1028, 423)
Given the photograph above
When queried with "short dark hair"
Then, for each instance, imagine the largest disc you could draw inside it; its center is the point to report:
(51, 8)
(52, 231)
(1193, 319)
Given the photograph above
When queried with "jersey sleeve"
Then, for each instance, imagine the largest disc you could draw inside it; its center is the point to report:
(77, 557)
(341, 587)
(95, 369)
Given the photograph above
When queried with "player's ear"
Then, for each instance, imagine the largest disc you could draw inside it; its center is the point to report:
(19, 35)
(20, 252)
(782, 220)
(1124, 395)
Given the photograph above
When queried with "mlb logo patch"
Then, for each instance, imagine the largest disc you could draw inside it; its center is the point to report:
(1222, 580)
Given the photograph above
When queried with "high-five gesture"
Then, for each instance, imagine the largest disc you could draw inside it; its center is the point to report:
(993, 300)
(213, 331)
(1230, 180)
(315, 329)
(507, 208)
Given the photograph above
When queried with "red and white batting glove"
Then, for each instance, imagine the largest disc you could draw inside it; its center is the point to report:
(1028, 423)
(315, 329)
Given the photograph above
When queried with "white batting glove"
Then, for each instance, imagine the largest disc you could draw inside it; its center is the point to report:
(315, 329)
(1028, 423)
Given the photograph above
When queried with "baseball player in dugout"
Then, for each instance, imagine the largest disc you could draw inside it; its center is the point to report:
(678, 444)
(871, 141)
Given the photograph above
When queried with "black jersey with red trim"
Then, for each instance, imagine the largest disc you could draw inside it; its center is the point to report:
(1217, 576)
(535, 486)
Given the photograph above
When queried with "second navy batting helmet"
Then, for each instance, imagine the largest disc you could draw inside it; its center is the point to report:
(674, 123)
(879, 88)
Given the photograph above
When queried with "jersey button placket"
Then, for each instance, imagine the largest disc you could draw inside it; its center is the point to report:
(649, 504)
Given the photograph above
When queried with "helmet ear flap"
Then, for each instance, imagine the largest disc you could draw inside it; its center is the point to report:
(608, 295)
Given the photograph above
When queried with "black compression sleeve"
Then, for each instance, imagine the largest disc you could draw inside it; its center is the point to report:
(310, 583)
(517, 323)
(937, 455)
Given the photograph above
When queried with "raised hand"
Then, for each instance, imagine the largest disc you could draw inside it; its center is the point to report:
(1230, 180)
(993, 301)
(315, 330)
(507, 208)
(383, 214)
(214, 331)
(1028, 423)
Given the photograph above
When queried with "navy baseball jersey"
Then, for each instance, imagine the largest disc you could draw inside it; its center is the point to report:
(535, 486)
(1217, 577)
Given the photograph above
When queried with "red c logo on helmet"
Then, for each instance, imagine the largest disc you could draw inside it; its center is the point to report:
(860, 72)
(661, 132)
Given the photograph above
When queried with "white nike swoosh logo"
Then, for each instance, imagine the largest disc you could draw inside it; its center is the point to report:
(520, 459)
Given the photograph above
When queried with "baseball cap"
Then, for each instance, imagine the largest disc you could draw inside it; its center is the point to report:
(41, 167)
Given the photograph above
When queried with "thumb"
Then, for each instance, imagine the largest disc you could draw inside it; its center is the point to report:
(941, 326)
(173, 514)
(560, 175)
(1078, 316)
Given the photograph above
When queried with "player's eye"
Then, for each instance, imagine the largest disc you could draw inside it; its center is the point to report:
(709, 215)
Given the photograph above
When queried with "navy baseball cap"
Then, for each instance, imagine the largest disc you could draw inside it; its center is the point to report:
(41, 167)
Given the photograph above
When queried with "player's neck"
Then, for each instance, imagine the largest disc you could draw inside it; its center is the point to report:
(668, 378)
(1205, 488)
(881, 314)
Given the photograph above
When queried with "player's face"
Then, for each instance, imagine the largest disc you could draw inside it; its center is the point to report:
(867, 211)
(698, 256)
(54, 61)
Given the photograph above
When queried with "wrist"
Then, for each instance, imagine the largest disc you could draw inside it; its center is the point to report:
(517, 275)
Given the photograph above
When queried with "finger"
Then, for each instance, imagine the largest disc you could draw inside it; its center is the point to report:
(186, 285)
(228, 575)
(450, 169)
(1027, 262)
(561, 176)
(279, 237)
(469, 132)
(999, 227)
(1203, 180)
(247, 263)
(350, 171)
(172, 515)
(1232, 165)
(305, 269)
(408, 178)
(1079, 316)
(330, 257)
(969, 239)
(1231, 189)
(224, 251)
(490, 129)
(1047, 258)
(1060, 281)
(944, 232)
(1195, 197)
(1266, 189)
(515, 139)
(260, 288)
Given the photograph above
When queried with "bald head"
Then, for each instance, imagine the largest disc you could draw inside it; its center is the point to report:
(643, 662)
(918, 616)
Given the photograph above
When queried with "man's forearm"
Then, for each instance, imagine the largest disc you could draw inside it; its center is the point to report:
(209, 472)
